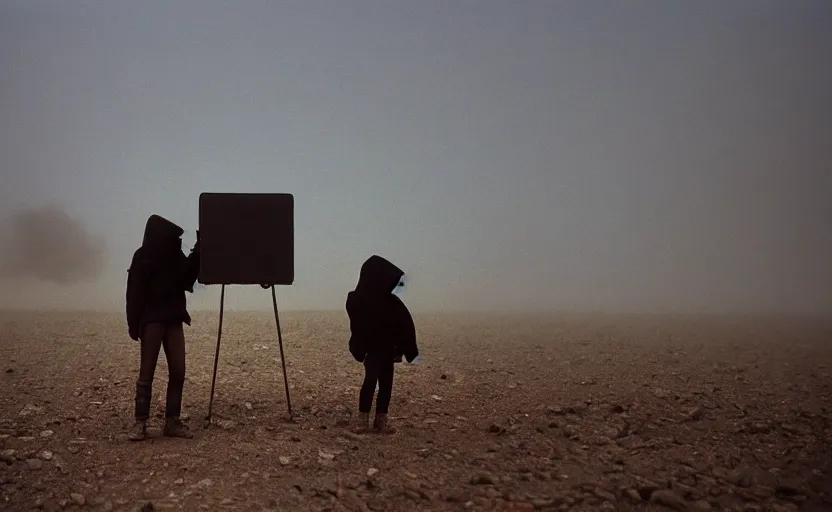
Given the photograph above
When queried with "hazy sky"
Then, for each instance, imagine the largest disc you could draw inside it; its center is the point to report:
(529, 154)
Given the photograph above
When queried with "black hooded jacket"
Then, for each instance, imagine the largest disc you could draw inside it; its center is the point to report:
(379, 321)
(159, 276)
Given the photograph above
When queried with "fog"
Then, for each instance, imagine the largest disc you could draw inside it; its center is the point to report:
(645, 156)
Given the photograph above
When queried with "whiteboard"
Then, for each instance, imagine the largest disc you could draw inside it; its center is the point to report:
(246, 238)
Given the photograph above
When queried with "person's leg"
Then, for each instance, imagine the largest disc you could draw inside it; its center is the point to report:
(174, 344)
(150, 343)
(385, 392)
(368, 389)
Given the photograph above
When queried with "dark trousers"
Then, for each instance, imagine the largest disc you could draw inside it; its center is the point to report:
(172, 338)
(378, 369)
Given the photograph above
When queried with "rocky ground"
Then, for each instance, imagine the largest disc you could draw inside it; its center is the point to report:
(506, 413)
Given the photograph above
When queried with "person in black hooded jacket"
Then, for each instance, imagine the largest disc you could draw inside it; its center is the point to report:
(382, 331)
(158, 278)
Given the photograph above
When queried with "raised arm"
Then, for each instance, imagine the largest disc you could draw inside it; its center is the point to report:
(192, 266)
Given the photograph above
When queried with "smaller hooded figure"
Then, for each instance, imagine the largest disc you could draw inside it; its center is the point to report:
(382, 331)
(158, 278)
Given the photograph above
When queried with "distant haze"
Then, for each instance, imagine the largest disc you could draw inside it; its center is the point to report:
(48, 245)
(577, 155)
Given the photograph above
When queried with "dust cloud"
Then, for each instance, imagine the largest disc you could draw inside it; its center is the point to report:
(49, 245)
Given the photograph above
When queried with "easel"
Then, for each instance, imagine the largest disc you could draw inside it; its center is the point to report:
(217, 353)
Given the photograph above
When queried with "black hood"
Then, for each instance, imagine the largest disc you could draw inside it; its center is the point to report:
(378, 276)
(160, 231)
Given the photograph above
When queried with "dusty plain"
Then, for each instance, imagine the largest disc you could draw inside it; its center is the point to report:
(507, 412)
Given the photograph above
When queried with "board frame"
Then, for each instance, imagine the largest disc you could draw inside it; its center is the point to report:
(283, 203)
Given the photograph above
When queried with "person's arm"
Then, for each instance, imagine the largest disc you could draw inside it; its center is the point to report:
(407, 330)
(357, 345)
(192, 266)
(136, 295)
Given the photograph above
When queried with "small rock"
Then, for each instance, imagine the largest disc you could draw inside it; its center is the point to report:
(46, 455)
(741, 478)
(204, 483)
(325, 456)
(695, 414)
(225, 424)
(30, 409)
(108, 505)
(372, 472)
(604, 495)
(8, 456)
(47, 433)
(179, 481)
(34, 463)
(633, 495)
(668, 499)
(78, 499)
(227, 502)
(483, 479)
(284, 461)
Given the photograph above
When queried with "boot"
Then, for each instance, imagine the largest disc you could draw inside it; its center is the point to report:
(138, 432)
(382, 425)
(175, 428)
(362, 425)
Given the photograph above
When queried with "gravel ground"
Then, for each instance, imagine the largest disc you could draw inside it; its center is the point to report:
(507, 412)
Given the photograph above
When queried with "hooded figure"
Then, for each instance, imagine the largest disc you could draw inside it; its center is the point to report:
(382, 331)
(158, 278)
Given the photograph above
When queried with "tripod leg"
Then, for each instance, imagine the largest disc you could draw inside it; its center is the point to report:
(282, 359)
(216, 355)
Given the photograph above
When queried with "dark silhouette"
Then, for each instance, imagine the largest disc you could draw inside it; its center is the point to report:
(158, 278)
(382, 331)
(248, 238)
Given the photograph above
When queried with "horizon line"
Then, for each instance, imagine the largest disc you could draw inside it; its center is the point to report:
(484, 311)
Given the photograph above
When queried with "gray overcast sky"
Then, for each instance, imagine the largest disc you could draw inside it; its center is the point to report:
(533, 154)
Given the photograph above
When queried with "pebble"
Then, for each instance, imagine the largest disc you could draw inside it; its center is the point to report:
(78, 499)
(604, 495)
(34, 463)
(483, 479)
(324, 456)
(741, 478)
(46, 455)
(695, 414)
(47, 433)
(372, 472)
(8, 456)
(202, 484)
(284, 461)
(668, 499)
